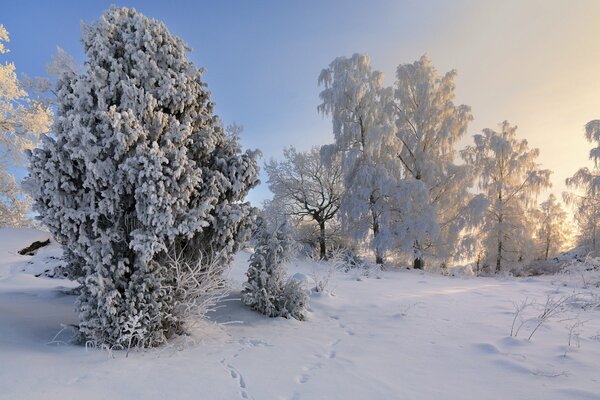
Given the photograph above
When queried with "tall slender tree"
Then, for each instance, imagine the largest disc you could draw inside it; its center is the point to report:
(552, 229)
(429, 126)
(357, 101)
(510, 178)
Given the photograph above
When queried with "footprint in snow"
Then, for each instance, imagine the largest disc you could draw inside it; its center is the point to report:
(235, 374)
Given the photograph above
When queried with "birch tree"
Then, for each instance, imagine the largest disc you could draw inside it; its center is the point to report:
(553, 228)
(429, 126)
(357, 101)
(510, 178)
(22, 121)
(585, 195)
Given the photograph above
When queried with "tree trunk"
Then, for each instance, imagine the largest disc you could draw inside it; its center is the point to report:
(547, 247)
(499, 256)
(419, 263)
(378, 252)
(500, 234)
(323, 248)
(594, 239)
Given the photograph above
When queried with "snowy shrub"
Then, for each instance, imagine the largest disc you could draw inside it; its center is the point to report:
(138, 168)
(346, 258)
(584, 273)
(323, 275)
(293, 300)
(553, 308)
(197, 285)
(266, 290)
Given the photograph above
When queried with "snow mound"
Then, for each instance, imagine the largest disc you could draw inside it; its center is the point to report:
(304, 280)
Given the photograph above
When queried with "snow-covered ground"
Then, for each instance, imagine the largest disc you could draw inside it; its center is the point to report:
(408, 335)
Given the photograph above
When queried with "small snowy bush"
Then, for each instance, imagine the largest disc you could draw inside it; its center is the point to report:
(346, 259)
(293, 300)
(583, 273)
(266, 290)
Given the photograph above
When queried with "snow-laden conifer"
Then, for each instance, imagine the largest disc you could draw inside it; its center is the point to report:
(139, 169)
(267, 289)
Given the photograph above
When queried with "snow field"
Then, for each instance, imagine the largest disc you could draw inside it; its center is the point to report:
(408, 335)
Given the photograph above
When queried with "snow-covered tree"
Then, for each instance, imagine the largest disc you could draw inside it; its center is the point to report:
(357, 101)
(553, 232)
(61, 62)
(307, 188)
(585, 197)
(510, 178)
(429, 126)
(587, 221)
(139, 168)
(22, 120)
(266, 289)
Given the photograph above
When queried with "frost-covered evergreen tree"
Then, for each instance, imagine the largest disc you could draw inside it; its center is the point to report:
(429, 126)
(138, 168)
(510, 178)
(585, 196)
(307, 189)
(357, 101)
(267, 290)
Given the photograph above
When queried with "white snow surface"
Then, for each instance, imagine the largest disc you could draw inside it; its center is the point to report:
(407, 335)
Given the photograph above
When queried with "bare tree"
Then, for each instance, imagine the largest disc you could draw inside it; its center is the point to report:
(307, 188)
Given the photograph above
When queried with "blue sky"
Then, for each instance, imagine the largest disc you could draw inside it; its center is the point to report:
(534, 63)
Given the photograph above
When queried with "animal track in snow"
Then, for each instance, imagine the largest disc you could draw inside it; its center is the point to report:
(235, 374)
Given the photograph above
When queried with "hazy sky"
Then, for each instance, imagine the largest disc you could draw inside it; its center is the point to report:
(534, 63)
